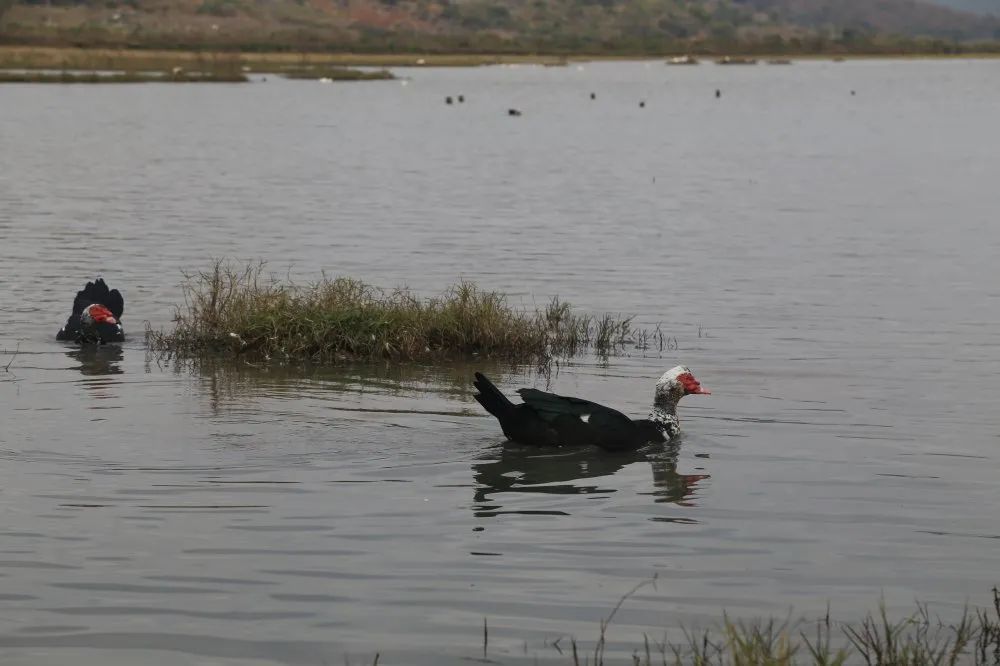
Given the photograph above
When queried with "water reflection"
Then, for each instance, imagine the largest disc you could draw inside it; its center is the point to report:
(97, 360)
(519, 469)
(226, 380)
(99, 365)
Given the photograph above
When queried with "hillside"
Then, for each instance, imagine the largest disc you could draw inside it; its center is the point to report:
(554, 26)
(973, 6)
(900, 17)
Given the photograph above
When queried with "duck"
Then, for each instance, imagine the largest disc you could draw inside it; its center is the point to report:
(96, 316)
(547, 419)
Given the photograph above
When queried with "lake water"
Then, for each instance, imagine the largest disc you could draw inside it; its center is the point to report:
(825, 261)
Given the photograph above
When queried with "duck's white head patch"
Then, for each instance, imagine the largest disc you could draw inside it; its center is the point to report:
(678, 382)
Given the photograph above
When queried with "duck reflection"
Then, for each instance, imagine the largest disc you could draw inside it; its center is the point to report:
(99, 364)
(97, 360)
(522, 469)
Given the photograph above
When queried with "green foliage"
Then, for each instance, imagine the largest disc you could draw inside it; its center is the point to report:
(222, 8)
(5, 6)
(483, 15)
(246, 312)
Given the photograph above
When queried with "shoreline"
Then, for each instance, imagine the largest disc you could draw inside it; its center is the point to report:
(72, 58)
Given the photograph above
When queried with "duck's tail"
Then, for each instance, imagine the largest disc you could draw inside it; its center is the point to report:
(98, 292)
(490, 397)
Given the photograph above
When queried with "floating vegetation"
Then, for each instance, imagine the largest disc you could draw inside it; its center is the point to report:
(121, 77)
(244, 311)
(327, 74)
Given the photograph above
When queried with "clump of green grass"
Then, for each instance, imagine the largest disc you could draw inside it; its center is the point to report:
(246, 311)
(337, 74)
(919, 639)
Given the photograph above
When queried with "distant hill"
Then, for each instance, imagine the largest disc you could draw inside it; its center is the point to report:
(900, 17)
(973, 6)
(554, 26)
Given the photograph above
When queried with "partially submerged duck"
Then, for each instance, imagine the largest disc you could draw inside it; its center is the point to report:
(96, 316)
(547, 419)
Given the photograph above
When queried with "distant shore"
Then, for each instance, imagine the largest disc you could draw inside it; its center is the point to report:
(132, 59)
(20, 64)
(137, 59)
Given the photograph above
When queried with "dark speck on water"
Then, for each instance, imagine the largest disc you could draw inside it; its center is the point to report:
(841, 252)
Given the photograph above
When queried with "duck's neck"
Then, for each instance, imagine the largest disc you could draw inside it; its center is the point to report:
(664, 416)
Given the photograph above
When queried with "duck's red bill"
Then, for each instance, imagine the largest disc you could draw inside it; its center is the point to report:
(692, 385)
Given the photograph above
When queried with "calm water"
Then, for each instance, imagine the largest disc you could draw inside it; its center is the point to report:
(825, 261)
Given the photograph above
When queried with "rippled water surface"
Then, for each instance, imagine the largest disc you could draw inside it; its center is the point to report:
(825, 262)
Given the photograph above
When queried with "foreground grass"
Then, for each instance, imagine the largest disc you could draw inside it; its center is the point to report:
(244, 311)
(919, 639)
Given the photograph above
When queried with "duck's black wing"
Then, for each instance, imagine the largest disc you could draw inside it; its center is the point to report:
(578, 421)
(551, 406)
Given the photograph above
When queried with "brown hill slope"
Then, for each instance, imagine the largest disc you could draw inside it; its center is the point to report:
(975, 6)
(593, 26)
(902, 17)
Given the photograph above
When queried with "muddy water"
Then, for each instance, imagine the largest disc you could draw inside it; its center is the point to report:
(824, 261)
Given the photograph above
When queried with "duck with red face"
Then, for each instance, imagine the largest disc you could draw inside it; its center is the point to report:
(96, 316)
(547, 419)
